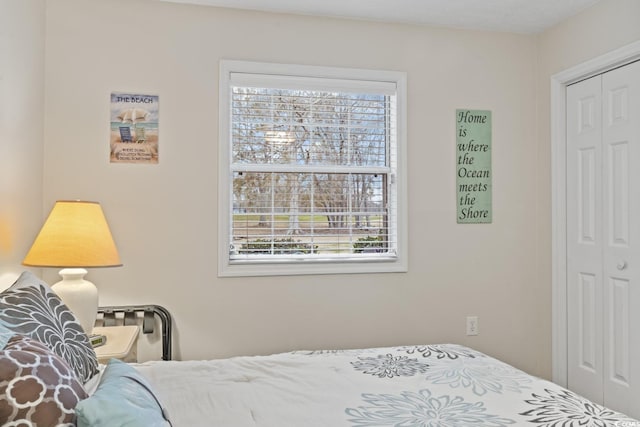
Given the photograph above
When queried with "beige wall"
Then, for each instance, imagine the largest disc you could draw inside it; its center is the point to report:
(164, 217)
(21, 129)
(600, 29)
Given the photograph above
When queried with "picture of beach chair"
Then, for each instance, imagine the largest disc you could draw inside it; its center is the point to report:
(140, 136)
(125, 134)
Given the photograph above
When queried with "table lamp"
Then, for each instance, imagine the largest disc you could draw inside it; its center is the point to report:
(74, 236)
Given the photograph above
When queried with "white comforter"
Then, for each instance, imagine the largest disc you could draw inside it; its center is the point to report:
(431, 385)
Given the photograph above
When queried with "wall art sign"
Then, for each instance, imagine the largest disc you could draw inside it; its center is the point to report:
(473, 166)
(134, 128)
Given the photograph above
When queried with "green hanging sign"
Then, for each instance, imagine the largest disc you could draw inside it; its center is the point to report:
(473, 166)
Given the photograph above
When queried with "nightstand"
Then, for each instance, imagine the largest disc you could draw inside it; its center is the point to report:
(121, 343)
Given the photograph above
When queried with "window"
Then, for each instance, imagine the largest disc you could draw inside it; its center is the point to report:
(312, 170)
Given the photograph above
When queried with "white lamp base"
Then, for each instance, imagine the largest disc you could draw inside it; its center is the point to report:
(81, 296)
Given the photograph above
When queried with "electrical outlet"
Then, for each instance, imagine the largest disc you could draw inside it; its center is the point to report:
(472, 325)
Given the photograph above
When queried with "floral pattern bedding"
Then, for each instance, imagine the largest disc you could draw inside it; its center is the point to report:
(412, 386)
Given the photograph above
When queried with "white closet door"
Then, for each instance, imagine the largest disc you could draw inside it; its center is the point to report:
(603, 238)
(584, 238)
(621, 222)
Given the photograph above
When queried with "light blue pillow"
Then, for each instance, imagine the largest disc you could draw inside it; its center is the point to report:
(5, 335)
(123, 398)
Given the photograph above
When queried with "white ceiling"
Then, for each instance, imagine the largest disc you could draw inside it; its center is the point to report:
(517, 16)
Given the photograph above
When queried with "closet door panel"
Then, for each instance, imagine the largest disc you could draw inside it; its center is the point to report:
(618, 332)
(584, 238)
(621, 256)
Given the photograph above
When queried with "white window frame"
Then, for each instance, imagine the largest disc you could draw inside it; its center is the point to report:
(227, 268)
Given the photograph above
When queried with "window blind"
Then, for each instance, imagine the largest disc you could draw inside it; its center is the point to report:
(312, 166)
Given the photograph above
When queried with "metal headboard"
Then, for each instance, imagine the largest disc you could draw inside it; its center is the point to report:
(149, 313)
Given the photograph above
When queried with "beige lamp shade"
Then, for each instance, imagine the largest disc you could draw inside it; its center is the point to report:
(75, 234)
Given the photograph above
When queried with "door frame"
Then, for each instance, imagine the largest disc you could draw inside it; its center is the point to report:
(559, 82)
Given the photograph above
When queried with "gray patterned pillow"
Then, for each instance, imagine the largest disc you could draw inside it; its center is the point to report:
(29, 307)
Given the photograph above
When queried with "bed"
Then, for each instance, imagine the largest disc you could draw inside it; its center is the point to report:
(429, 385)
(403, 386)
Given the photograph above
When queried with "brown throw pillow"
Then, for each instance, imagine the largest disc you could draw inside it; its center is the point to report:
(37, 387)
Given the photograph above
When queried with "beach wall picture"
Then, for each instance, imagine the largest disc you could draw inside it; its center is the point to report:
(134, 128)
